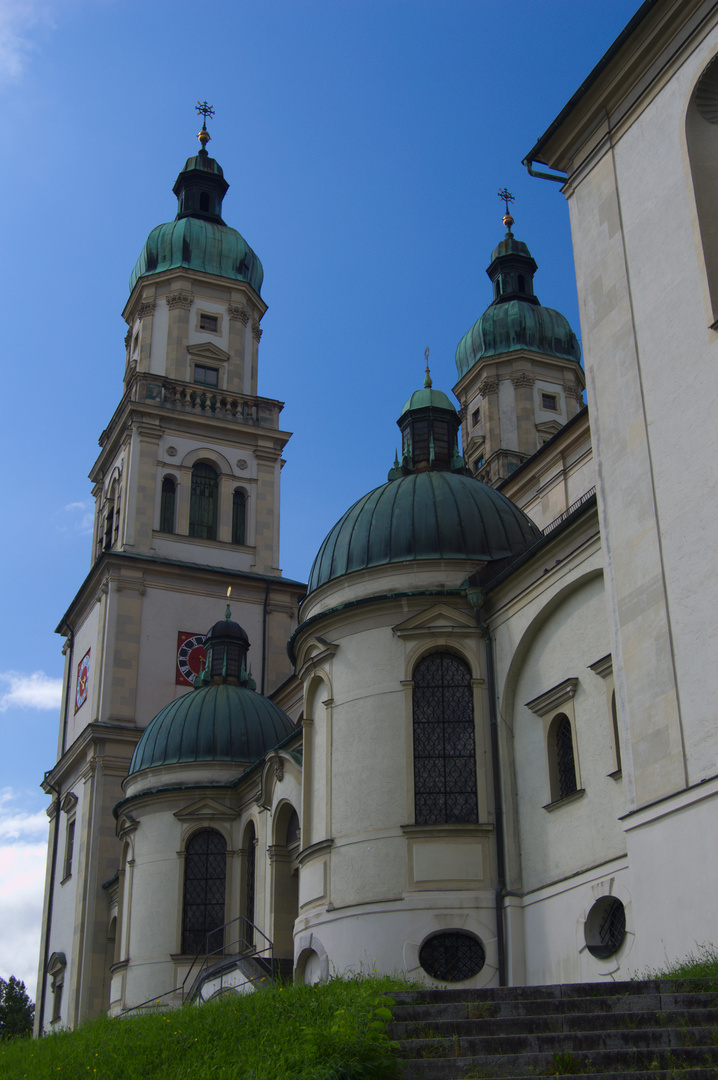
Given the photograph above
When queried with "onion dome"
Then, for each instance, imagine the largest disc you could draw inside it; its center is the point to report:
(223, 719)
(198, 237)
(515, 320)
(429, 426)
(424, 515)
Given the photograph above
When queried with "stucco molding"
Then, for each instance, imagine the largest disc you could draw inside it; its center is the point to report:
(603, 667)
(551, 699)
(179, 300)
(488, 386)
(314, 851)
(238, 314)
(206, 809)
(146, 308)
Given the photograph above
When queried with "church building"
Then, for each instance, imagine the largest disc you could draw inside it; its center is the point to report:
(479, 746)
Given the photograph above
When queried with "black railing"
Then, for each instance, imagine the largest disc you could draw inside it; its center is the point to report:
(567, 513)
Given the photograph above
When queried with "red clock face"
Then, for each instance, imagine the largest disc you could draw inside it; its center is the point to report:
(190, 657)
(83, 678)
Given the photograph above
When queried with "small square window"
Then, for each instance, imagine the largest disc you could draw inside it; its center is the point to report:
(479, 463)
(207, 376)
(475, 417)
(209, 322)
(549, 401)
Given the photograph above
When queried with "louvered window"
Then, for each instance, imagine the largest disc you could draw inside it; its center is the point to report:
(203, 503)
(444, 748)
(239, 505)
(167, 506)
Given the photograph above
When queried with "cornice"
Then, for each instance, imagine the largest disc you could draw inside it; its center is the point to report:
(551, 699)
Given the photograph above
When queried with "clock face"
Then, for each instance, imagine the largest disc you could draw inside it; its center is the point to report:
(190, 657)
(83, 678)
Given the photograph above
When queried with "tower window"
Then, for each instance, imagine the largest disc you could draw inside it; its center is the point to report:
(204, 202)
(209, 322)
(550, 402)
(204, 888)
(69, 849)
(475, 417)
(206, 376)
(203, 502)
(239, 506)
(444, 749)
(167, 506)
(522, 283)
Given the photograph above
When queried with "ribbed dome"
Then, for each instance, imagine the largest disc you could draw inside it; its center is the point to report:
(515, 325)
(199, 245)
(428, 398)
(221, 722)
(425, 515)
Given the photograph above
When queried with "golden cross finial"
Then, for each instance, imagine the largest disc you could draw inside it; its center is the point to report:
(204, 111)
(427, 379)
(507, 197)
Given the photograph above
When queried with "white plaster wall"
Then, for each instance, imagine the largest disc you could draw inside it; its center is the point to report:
(584, 832)
(158, 346)
(673, 851)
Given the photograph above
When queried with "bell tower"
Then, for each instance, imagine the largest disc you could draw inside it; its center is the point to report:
(520, 375)
(186, 489)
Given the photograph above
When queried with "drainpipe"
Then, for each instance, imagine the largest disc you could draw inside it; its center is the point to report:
(528, 162)
(476, 599)
(50, 897)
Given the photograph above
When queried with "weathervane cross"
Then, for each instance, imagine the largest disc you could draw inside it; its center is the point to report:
(506, 195)
(204, 110)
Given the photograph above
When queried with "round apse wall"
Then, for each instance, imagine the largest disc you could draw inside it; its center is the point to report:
(605, 927)
(453, 956)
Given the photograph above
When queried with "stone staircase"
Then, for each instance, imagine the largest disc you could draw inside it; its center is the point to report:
(645, 1029)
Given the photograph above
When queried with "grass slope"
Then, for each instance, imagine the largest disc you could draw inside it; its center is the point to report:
(330, 1032)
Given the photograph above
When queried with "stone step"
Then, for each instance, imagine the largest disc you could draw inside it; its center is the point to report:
(558, 1042)
(556, 991)
(686, 1063)
(431, 1027)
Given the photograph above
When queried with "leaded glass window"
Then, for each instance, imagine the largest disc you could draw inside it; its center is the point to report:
(204, 889)
(444, 748)
(251, 874)
(562, 738)
(453, 956)
(239, 503)
(167, 506)
(203, 502)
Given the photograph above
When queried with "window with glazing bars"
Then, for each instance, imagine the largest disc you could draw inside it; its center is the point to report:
(204, 889)
(565, 774)
(203, 502)
(249, 896)
(239, 504)
(444, 747)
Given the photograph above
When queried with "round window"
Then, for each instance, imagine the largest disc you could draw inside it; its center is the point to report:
(605, 927)
(452, 956)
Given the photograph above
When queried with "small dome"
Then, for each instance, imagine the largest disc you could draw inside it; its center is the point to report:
(513, 325)
(199, 245)
(220, 722)
(426, 398)
(425, 515)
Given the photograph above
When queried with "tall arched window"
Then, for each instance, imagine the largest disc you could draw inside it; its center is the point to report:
(203, 502)
(444, 747)
(239, 504)
(561, 758)
(702, 145)
(204, 888)
(250, 878)
(167, 506)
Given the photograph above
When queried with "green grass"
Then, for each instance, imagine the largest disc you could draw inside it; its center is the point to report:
(332, 1032)
(701, 964)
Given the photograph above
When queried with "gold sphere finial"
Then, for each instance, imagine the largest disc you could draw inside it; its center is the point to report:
(508, 220)
(204, 137)
(506, 197)
(204, 111)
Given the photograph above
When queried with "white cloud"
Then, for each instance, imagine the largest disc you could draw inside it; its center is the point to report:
(76, 517)
(23, 849)
(35, 691)
(18, 18)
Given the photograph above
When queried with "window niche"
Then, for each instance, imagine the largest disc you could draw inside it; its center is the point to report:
(555, 707)
(69, 808)
(167, 505)
(702, 146)
(604, 669)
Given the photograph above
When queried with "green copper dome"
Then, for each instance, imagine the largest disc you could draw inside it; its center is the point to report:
(428, 398)
(199, 245)
(515, 325)
(515, 319)
(424, 515)
(198, 238)
(220, 722)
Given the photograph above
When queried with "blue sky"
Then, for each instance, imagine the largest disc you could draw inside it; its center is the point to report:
(364, 143)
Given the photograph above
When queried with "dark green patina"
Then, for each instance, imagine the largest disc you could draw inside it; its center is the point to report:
(198, 237)
(425, 515)
(515, 319)
(220, 722)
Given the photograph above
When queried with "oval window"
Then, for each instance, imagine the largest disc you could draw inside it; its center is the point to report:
(605, 927)
(452, 957)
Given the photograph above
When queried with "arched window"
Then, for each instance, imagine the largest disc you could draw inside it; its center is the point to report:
(204, 201)
(616, 740)
(239, 504)
(204, 889)
(561, 758)
(702, 145)
(203, 502)
(167, 506)
(250, 847)
(444, 749)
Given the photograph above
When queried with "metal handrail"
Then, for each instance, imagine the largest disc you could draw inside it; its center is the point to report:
(567, 513)
(249, 952)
